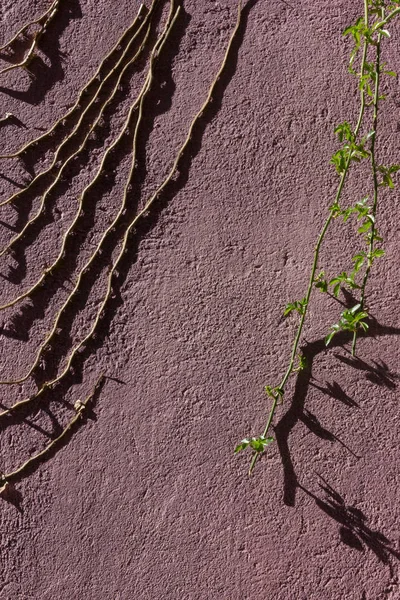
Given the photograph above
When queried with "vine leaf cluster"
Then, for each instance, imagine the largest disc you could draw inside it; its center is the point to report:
(145, 36)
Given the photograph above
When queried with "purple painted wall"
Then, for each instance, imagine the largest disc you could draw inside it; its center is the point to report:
(146, 499)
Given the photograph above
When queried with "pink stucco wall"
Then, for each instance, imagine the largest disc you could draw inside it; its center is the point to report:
(146, 500)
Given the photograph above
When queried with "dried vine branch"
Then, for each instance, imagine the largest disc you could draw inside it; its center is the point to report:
(43, 21)
(80, 408)
(124, 230)
(76, 128)
(130, 228)
(138, 102)
(85, 90)
(57, 262)
(81, 147)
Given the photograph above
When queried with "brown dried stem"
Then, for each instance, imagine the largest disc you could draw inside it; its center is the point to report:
(138, 102)
(50, 269)
(43, 21)
(104, 105)
(80, 408)
(130, 228)
(66, 140)
(83, 91)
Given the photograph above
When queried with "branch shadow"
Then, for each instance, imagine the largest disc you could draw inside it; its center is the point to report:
(377, 372)
(354, 530)
(43, 76)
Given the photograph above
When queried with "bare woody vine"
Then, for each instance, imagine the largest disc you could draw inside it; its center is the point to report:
(128, 50)
(357, 144)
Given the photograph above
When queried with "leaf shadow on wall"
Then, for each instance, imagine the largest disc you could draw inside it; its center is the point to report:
(354, 531)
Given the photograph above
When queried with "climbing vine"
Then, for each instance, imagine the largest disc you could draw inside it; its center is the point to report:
(358, 143)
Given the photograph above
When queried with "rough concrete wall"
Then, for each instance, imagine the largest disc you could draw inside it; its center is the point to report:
(146, 499)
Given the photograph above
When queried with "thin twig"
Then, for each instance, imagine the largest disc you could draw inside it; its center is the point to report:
(6, 118)
(26, 27)
(44, 22)
(138, 102)
(80, 408)
(83, 91)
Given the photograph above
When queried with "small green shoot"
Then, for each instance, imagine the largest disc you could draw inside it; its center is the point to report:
(297, 305)
(321, 283)
(350, 320)
(258, 444)
(343, 280)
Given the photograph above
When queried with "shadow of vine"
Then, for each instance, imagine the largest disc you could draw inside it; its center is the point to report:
(43, 75)
(158, 101)
(354, 531)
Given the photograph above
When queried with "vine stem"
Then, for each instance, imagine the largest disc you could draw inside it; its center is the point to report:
(386, 20)
(97, 76)
(142, 213)
(80, 408)
(44, 21)
(63, 166)
(50, 336)
(289, 370)
(375, 180)
(76, 128)
(27, 25)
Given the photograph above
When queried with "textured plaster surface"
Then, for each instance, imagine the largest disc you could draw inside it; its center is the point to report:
(146, 500)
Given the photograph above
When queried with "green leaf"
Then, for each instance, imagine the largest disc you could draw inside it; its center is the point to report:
(365, 226)
(358, 260)
(242, 445)
(274, 392)
(336, 290)
(350, 320)
(297, 305)
(302, 362)
(344, 132)
(288, 309)
(335, 210)
(269, 391)
(259, 444)
(377, 253)
(387, 173)
(322, 285)
(344, 279)
(256, 443)
(329, 337)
